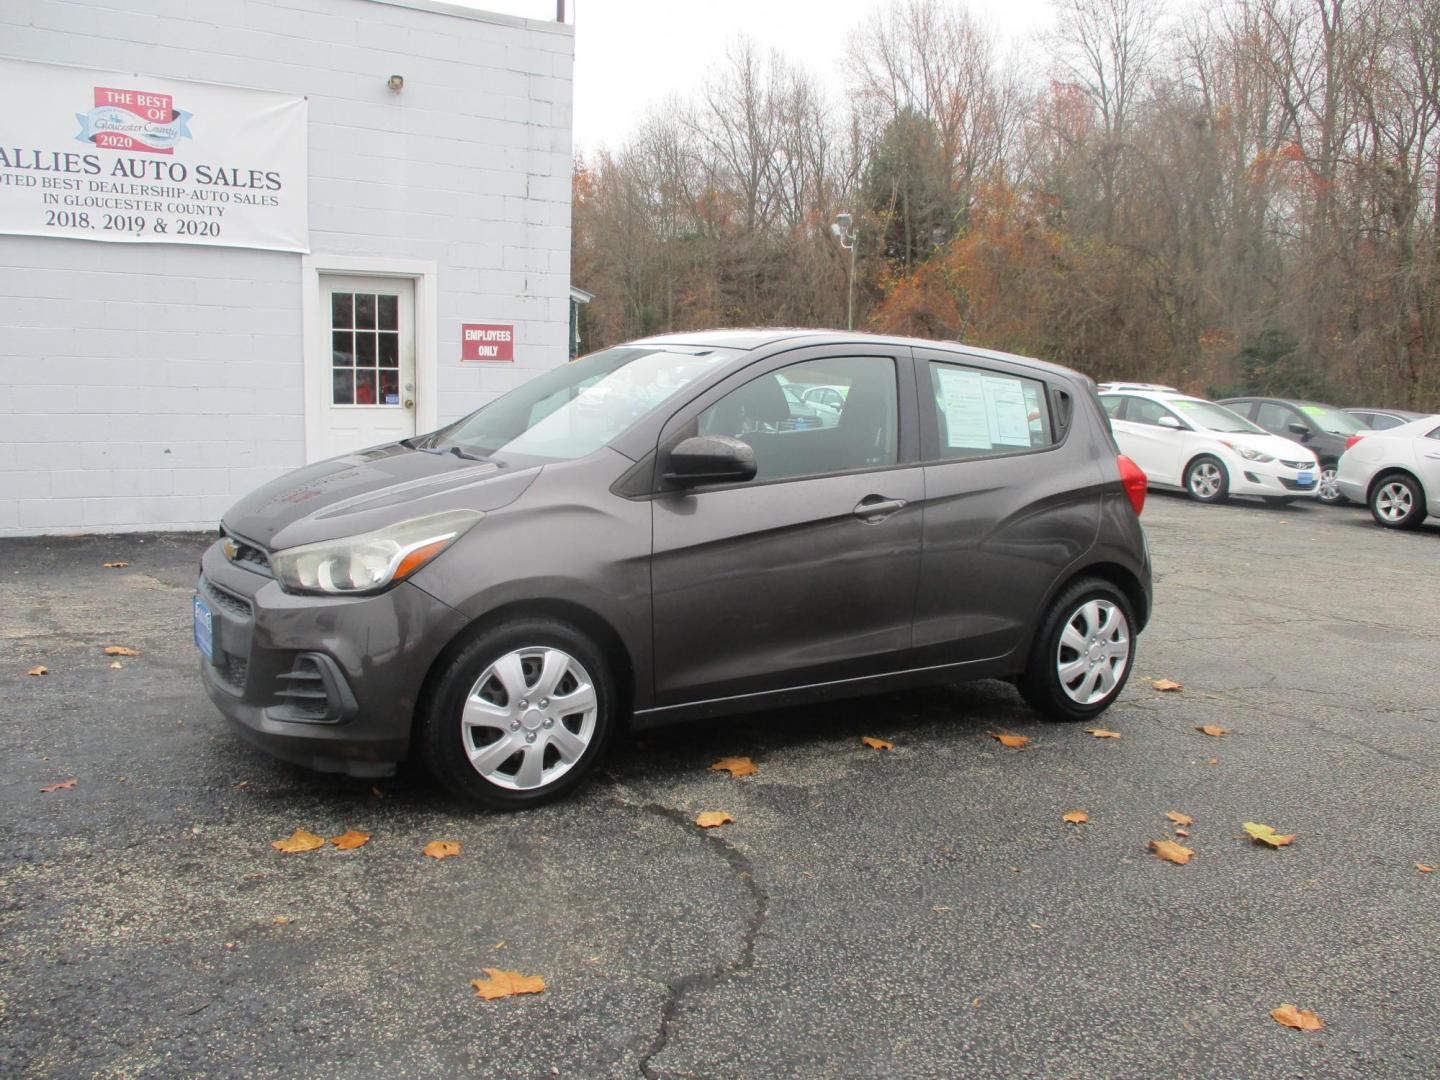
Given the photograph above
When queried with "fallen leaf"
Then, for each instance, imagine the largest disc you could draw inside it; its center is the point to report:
(116, 565)
(1213, 761)
(115, 665)
(876, 744)
(1424, 869)
(38, 669)
(281, 920)
(1076, 817)
(1166, 686)
(1179, 818)
(377, 793)
(735, 766)
(1170, 851)
(711, 818)
(120, 650)
(941, 909)
(1301, 1019)
(1264, 834)
(1015, 742)
(442, 849)
(1213, 732)
(1037, 926)
(299, 840)
(503, 984)
(499, 944)
(349, 839)
(64, 785)
(1182, 832)
(1101, 733)
(975, 1004)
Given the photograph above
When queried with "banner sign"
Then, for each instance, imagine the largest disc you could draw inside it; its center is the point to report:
(95, 155)
(487, 341)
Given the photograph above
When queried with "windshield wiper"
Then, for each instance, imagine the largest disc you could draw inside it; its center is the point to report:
(462, 454)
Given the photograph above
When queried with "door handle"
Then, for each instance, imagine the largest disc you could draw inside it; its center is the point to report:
(876, 508)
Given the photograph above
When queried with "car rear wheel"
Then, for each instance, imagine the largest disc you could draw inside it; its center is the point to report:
(1328, 491)
(1083, 652)
(1397, 502)
(518, 715)
(1206, 480)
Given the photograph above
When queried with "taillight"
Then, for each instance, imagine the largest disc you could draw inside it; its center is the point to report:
(1352, 441)
(1132, 478)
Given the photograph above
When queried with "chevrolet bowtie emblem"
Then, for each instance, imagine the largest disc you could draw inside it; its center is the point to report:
(228, 546)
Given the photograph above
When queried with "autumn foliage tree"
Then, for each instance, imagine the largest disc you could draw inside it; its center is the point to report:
(1235, 198)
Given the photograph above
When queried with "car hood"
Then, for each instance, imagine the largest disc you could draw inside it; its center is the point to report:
(1273, 445)
(370, 489)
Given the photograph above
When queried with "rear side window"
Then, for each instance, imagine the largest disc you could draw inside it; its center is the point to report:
(1114, 405)
(1275, 418)
(986, 412)
(1244, 408)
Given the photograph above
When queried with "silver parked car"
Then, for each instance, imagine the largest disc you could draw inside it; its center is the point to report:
(647, 535)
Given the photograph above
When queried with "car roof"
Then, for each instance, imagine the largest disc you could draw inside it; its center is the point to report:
(1277, 400)
(1411, 413)
(1162, 396)
(752, 338)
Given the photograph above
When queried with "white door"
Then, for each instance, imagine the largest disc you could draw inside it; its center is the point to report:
(369, 328)
(1158, 450)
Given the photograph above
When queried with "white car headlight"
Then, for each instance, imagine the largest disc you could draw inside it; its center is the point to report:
(370, 561)
(1246, 452)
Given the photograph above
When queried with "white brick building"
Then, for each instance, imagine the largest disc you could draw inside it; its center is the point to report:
(147, 385)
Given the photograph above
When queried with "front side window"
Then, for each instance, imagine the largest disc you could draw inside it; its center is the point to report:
(1276, 418)
(575, 409)
(806, 437)
(985, 412)
(1145, 411)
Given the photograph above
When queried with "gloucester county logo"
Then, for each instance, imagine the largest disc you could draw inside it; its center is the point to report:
(133, 120)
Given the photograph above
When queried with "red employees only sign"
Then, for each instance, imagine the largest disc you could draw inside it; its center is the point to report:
(487, 341)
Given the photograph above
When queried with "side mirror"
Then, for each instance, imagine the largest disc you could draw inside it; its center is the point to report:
(1170, 422)
(710, 459)
(1298, 429)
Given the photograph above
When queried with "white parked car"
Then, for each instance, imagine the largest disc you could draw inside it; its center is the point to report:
(1207, 450)
(1395, 472)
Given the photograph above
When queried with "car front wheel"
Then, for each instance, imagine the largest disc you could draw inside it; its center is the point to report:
(1328, 491)
(1083, 652)
(1206, 480)
(1397, 502)
(518, 715)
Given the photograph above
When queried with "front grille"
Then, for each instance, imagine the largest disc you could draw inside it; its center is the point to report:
(1297, 464)
(221, 597)
(249, 556)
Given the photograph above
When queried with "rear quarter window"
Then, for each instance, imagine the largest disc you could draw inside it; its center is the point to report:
(982, 412)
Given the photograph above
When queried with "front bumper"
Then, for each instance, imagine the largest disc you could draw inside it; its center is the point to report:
(1272, 478)
(329, 683)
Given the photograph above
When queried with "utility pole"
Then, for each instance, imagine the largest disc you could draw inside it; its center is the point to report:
(844, 228)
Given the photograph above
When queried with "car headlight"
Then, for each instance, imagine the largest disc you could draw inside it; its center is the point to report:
(1246, 452)
(370, 561)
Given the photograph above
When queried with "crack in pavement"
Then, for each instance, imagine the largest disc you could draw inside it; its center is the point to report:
(679, 989)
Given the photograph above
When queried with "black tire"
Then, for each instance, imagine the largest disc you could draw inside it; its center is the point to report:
(443, 739)
(1397, 501)
(1278, 500)
(1333, 498)
(1041, 685)
(1196, 469)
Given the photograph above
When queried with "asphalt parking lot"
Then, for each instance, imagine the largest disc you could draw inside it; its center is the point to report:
(921, 912)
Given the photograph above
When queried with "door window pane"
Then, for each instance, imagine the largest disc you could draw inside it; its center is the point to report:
(1144, 411)
(373, 354)
(1113, 404)
(798, 431)
(985, 412)
(1275, 418)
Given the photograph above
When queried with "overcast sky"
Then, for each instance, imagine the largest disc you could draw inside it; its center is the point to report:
(630, 55)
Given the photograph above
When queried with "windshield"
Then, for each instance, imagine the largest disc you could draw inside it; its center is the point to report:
(1212, 417)
(577, 408)
(1333, 420)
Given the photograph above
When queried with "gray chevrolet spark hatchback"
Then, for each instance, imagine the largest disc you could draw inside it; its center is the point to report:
(664, 531)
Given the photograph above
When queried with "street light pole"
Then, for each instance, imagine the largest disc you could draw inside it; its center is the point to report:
(844, 228)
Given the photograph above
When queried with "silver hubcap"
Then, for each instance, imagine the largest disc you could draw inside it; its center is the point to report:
(1329, 490)
(1205, 480)
(1094, 651)
(1393, 501)
(529, 718)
